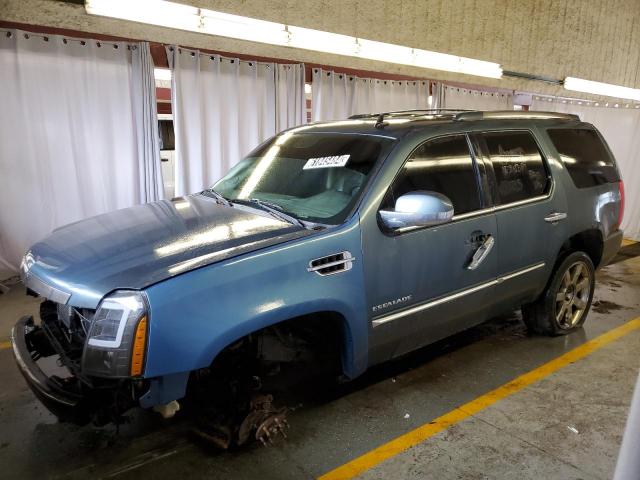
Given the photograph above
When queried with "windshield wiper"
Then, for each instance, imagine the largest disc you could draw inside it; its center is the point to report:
(219, 198)
(277, 211)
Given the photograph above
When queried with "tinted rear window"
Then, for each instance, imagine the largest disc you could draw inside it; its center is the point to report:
(585, 155)
(518, 166)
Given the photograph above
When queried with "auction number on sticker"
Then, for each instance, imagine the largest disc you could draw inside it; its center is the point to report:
(326, 162)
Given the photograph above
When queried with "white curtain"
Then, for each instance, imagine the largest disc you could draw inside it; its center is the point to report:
(436, 95)
(337, 95)
(223, 108)
(146, 121)
(468, 99)
(291, 108)
(331, 96)
(621, 128)
(71, 127)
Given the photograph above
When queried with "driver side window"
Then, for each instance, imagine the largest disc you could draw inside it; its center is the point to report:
(442, 165)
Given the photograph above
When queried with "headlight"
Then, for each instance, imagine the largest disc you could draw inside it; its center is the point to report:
(116, 342)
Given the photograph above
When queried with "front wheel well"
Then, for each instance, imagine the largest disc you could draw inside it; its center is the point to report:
(289, 361)
(319, 340)
(588, 241)
(316, 334)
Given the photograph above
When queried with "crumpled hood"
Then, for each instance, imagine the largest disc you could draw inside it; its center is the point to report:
(138, 246)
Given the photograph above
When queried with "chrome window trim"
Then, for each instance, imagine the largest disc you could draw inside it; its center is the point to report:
(475, 213)
(377, 321)
(476, 160)
(526, 201)
(485, 211)
(506, 206)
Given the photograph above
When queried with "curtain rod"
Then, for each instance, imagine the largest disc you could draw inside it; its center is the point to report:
(481, 91)
(193, 52)
(352, 76)
(9, 32)
(597, 103)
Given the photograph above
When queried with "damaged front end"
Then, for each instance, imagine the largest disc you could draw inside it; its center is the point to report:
(99, 357)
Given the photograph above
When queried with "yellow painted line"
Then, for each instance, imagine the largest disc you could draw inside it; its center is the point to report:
(414, 437)
(627, 241)
(4, 345)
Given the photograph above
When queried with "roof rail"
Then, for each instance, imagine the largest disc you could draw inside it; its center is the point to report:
(514, 114)
(413, 113)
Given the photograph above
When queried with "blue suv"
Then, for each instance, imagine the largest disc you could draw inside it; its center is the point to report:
(332, 247)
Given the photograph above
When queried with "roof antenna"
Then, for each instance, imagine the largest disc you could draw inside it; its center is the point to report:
(380, 123)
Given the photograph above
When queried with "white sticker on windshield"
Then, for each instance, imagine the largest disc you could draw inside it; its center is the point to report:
(326, 162)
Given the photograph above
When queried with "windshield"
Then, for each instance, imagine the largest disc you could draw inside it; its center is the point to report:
(315, 177)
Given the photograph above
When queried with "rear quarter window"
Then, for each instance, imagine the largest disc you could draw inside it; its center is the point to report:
(585, 156)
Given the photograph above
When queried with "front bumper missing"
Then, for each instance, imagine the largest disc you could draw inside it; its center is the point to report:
(77, 398)
(60, 396)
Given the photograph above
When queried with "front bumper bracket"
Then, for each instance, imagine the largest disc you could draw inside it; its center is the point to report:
(64, 403)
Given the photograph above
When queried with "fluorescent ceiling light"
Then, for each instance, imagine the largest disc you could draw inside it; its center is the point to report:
(186, 17)
(599, 88)
(162, 73)
(166, 14)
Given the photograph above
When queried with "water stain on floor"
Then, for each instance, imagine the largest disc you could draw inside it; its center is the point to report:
(605, 306)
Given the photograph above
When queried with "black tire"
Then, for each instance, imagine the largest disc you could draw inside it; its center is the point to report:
(563, 306)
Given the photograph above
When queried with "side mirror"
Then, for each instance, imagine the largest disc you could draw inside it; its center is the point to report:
(418, 209)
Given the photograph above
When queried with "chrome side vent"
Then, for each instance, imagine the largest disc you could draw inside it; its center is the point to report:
(329, 265)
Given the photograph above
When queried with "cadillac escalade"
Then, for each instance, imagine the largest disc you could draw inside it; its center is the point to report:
(331, 247)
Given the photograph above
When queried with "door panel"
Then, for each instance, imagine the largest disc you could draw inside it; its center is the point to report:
(427, 272)
(527, 241)
(526, 204)
(419, 286)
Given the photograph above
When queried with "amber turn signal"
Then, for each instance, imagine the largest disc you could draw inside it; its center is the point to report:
(139, 344)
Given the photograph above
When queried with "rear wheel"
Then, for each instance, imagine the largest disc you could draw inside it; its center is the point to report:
(563, 306)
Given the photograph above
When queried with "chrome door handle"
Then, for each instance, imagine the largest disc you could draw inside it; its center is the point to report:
(555, 217)
(482, 252)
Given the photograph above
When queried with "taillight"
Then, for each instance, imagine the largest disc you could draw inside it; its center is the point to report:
(621, 210)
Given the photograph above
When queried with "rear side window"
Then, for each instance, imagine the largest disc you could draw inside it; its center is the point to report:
(441, 165)
(585, 155)
(518, 165)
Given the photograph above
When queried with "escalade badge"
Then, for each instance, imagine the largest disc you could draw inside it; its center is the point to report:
(392, 303)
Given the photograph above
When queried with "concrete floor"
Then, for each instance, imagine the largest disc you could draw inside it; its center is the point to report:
(531, 434)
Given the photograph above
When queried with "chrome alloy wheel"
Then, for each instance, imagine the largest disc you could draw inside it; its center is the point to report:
(573, 295)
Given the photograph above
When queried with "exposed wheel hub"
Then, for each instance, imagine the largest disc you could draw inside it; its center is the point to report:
(569, 294)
